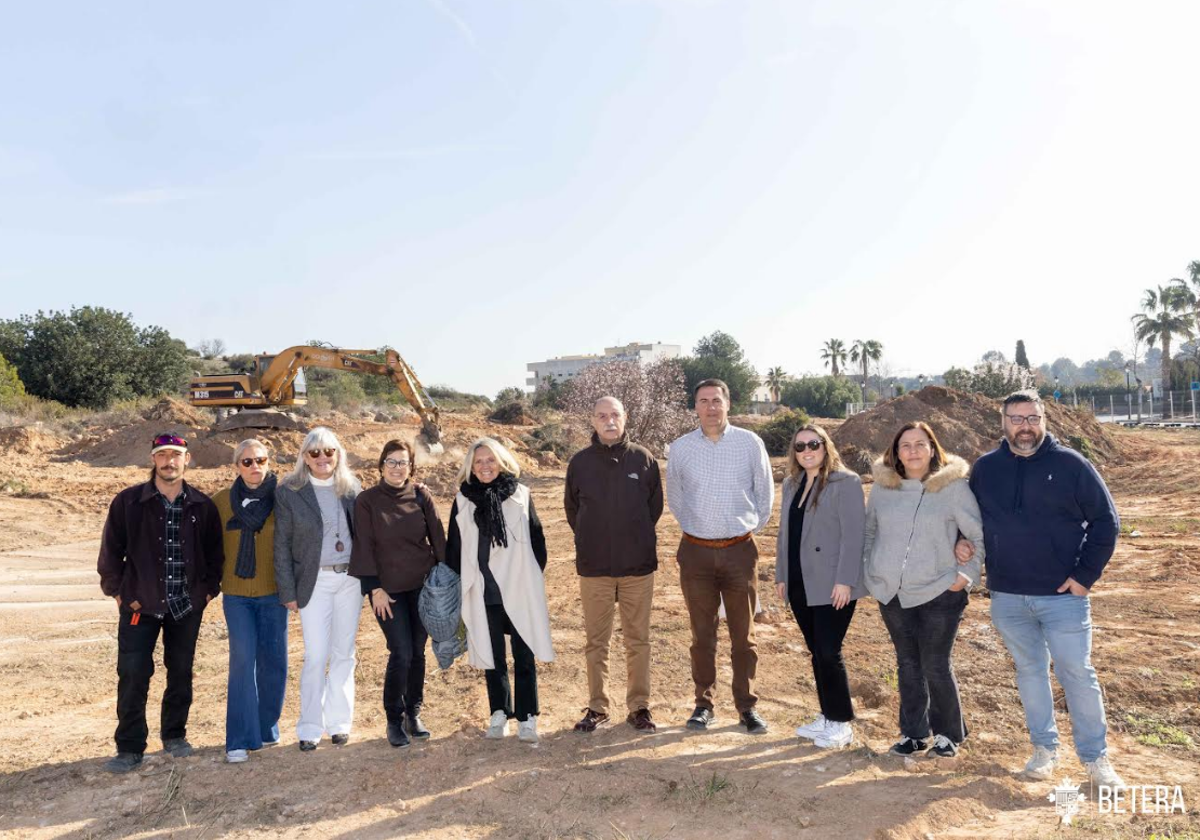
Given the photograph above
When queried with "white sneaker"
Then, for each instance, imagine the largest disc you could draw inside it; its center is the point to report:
(527, 730)
(1041, 763)
(838, 733)
(238, 756)
(498, 725)
(1101, 772)
(811, 729)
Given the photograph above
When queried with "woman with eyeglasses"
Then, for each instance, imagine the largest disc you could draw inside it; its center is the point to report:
(919, 505)
(818, 570)
(496, 543)
(314, 536)
(398, 539)
(254, 616)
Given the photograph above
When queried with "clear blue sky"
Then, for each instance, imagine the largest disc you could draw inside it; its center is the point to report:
(482, 184)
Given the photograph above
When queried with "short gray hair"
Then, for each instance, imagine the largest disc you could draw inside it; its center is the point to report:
(611, 399)
(248, 443)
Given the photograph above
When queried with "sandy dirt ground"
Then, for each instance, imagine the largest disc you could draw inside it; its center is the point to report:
(58, 679)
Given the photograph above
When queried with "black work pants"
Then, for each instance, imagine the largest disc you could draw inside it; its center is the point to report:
(824, 629)
(500, 695)
(404, 680)
(924, 638)
(135, 667)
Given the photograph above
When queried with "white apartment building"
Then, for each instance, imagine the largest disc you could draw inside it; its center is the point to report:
(565, 368)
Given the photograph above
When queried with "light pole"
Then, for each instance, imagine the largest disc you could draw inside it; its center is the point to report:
(892, 388)
(1056, 392)
(1128, 398)
(921, 380)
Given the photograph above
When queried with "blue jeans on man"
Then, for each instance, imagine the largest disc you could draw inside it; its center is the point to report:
(257, 670)
(1038, 630)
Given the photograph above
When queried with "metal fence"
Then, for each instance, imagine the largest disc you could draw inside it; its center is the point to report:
(853, 408)
(1172, 407)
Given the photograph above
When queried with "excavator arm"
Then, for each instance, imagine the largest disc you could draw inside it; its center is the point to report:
(286, 366)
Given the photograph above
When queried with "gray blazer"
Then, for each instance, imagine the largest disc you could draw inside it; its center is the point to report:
(831, 544)
(298, 532)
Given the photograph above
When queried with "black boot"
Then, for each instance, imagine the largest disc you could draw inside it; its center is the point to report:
(396, 735)
(415, 727)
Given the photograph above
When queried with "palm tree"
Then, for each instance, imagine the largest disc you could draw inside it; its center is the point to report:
(775, 379)
(834, 354)
(1191, 293)
(1164, 315)
(865, 352)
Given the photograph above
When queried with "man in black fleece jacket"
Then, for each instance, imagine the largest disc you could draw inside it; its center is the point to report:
(1049, 528)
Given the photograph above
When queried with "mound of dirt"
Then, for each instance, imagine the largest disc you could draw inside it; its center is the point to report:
(512, 414)
(171, 411)
(966, 424)
(29, 440)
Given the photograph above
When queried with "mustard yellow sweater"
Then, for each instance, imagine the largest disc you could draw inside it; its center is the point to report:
(263, 582)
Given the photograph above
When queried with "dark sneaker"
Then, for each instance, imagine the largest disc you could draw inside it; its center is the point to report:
(907, 746)
(340, 740)
(701, 719)
(177, 747)
(641, 721)
(308, 746)
(123, 762)
(591, 719)
(416, 728)
(942, 747)
(754, 724)
(396, 735)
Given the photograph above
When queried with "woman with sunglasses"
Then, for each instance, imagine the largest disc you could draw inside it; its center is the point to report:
(314, 535)
(398, 538)
(919, 505)
(496, 543)
(256, 619)
(818, 570)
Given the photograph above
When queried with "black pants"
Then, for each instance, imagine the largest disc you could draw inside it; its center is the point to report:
(924, 637)
(404, 680)
(824, 628)
(524, 669)
(135, 667)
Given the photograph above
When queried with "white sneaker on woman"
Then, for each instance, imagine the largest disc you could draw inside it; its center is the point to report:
(498, 725)
(527, 730)
(1101, 772)
(236, 756)
(811, 729)
(838, 733)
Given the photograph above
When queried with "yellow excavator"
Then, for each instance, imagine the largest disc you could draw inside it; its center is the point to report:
(253, 400)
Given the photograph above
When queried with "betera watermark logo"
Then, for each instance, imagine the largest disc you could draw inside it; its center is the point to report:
(1067, 800)
(1140, 799)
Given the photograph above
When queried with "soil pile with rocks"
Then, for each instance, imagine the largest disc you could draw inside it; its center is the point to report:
(29, 440)
(966, 424)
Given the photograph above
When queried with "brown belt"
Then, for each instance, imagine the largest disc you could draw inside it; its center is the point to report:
(718, 543)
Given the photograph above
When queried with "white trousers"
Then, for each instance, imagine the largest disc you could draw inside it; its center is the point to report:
(329, 622)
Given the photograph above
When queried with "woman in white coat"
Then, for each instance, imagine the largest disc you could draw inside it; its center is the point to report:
(496, 543)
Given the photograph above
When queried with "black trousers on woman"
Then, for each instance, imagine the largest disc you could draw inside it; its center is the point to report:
(824, 628)
(924, 637)
(404, 680)
(500, 695)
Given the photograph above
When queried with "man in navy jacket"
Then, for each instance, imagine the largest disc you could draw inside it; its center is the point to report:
(1049, 528)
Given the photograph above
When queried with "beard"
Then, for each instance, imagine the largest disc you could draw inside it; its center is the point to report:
(1025, 440)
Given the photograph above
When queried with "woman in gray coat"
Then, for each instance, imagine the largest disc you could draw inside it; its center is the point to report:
(314, 519)
(818, 570)
(919, 505)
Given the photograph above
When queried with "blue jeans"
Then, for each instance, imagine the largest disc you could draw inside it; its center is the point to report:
(257, 669)
(1038, 629)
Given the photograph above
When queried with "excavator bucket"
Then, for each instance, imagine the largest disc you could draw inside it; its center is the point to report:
(260, 418)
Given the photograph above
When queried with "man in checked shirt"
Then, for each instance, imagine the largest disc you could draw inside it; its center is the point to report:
(720, 489)
(160, 558)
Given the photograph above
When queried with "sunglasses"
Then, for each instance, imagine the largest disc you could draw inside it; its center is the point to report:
(329, 452)
(394, 464)
(260, 461)
(812, 445)
(170, 440)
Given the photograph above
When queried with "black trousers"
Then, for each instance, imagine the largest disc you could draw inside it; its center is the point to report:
(824, 628)
(500, 695)
(924, 638)
(404, 680)
(135, 667)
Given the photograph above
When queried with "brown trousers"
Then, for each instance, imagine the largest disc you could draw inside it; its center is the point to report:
(708, 575)
(600, 596)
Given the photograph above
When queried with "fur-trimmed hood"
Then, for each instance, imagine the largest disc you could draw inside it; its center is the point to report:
(954, 469)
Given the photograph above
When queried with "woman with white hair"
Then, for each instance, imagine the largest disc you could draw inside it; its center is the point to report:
(256, 618)
(314, 523)
(497, 545)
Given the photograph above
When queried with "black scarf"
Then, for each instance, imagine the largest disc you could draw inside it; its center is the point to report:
(251, 509)
(488, 498)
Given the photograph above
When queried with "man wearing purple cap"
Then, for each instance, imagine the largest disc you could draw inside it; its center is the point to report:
(161, 558)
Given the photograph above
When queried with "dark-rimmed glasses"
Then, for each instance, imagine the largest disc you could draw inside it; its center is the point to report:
(246, 462)
(811, 445)
(328, 452)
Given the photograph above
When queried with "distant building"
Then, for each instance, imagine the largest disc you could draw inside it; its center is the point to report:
(565, 368)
